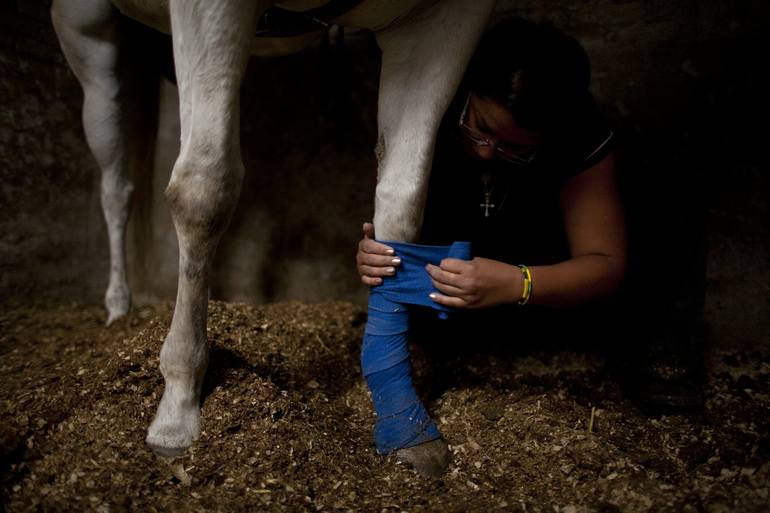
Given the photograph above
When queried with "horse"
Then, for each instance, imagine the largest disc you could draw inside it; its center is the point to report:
(425, 44)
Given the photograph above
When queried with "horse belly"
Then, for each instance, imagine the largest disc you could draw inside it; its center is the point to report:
(153, 13)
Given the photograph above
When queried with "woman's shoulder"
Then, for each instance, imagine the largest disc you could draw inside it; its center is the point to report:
(583, 140)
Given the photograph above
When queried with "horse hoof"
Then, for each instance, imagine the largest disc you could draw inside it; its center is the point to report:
(114, 316)
(117, 300)
(175, 427)
(429, 459)
(168, 441)
(165, 452)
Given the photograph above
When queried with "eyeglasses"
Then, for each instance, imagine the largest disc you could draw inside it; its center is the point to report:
(503, 150)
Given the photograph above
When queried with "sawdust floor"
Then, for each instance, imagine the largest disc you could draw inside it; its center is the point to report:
(287, 424)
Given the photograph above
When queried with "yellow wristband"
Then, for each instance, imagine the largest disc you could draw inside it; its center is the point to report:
(526, 293)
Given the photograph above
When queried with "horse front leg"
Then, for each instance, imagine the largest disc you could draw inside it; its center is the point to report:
(211, 42)
(423, 60)
(88, 34)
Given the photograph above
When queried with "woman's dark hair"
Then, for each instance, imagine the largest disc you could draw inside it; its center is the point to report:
(539, 73)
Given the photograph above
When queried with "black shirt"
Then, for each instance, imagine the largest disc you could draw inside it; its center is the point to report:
(522, 221)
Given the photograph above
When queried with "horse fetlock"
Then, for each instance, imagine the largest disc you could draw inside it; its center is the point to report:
(183, 390)
(177, 421)
(184, 355)
(115, 189)
(117, 300)
(184, 370)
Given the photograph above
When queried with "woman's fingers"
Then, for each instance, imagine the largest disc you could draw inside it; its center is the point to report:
(455, 265)
(373, 260)
(368, 230)
(372, 282)
(370, 245)
(374, 247)
(453, 302)
(449, 290)
(374, 272)
(453, 287)
(444, 277)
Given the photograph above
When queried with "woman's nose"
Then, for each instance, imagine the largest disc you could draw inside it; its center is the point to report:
(486, 152)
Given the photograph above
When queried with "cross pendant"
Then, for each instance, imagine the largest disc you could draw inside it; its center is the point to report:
(487, 205)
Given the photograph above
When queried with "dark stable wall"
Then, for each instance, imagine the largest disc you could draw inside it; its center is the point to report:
(684, 81)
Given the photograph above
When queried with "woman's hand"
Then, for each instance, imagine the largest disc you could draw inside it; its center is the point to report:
(374, 260)
(477, 283)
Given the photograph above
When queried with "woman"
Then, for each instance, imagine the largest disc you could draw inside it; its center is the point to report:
(523, 170)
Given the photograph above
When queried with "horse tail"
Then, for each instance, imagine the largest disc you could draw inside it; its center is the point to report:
(146, 57)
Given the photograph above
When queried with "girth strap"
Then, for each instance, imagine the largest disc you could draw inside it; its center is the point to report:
(278, 22)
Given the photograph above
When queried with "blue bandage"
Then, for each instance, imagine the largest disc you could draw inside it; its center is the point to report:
(402, 420)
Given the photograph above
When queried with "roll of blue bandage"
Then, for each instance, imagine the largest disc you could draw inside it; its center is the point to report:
(402, 420)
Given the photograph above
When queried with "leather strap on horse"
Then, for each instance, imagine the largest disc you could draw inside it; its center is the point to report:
(278, 22)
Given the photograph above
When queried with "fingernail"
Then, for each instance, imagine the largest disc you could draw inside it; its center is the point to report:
(390, 270)
(432, 295)
(390, 252)
(396, 260)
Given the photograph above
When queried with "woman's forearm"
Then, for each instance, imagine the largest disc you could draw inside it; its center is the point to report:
(576, 281)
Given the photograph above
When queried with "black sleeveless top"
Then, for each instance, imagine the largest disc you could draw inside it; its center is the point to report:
(522, 221)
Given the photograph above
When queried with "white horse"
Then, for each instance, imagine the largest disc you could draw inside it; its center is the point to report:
(426, 45)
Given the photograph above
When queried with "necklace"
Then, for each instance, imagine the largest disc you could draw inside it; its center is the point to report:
(489, 184)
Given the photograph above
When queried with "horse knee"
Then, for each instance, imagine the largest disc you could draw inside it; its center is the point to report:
(201, 195)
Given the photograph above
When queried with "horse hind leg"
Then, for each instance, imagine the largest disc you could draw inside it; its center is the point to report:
(88, 34)
(211, 43)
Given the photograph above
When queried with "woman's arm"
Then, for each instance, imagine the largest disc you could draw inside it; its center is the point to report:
(596, 233)
(595, 228)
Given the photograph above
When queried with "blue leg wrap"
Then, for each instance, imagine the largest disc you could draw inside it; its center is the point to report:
(402, 420)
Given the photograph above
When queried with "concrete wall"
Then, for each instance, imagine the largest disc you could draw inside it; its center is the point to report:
(685, 81)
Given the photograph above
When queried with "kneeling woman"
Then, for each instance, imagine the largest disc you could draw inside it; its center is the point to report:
(522, 170)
